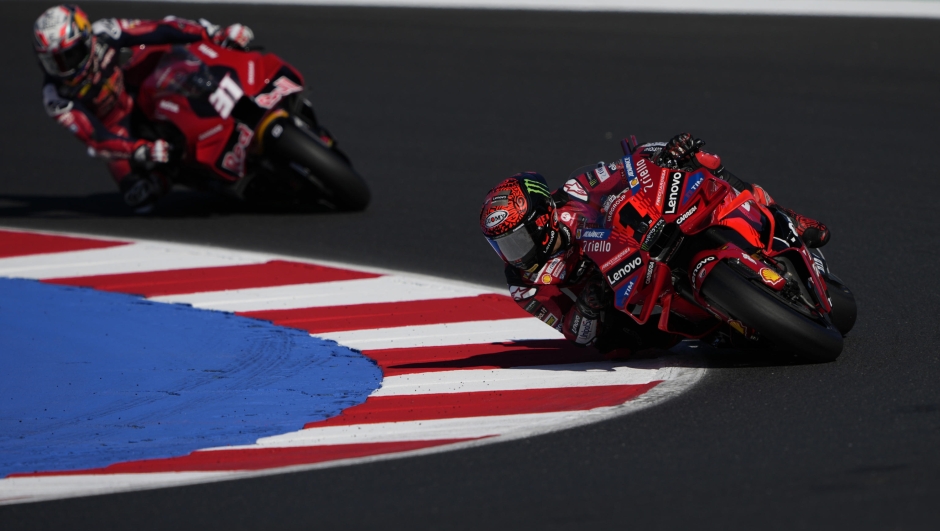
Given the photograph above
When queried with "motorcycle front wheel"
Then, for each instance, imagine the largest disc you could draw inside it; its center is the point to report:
(774, 318)
(289, 141)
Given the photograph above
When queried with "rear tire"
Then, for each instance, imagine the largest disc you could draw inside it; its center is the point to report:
(773, 318)
(288, 141)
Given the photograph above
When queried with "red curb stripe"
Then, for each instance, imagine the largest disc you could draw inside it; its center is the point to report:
(393, 314)
(202, 279)
(24, 244)
(251, 459)
(482, 356)
(483, 404)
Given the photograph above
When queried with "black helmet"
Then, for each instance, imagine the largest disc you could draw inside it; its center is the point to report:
(518, 219)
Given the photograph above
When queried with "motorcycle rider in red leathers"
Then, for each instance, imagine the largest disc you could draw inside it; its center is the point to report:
(84, 87)
(538, 234)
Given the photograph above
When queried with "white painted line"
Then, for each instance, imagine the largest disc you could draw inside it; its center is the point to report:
(850, 8)
(415, 430)
(439, 335)
(517, 379)
(37, 488)
(318, 295)
(132, 258)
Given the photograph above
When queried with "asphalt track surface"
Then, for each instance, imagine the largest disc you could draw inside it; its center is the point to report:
(835, 116)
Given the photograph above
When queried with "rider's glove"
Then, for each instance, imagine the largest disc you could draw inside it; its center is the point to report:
(582, 323)
(237, 36)
(592, 300)
(680, 150)
(157, 151)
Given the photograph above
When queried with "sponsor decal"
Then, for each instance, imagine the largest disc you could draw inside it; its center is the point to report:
(550, 320)
(107, 58)
(772, 278)
(672, 195)
(593, 234)
(234, 161)
(168, 105)
(566, 216)
(520, 293)
(649, 273)
(587, 331)
(738, 326)
(595, 247)
(643, 174)
(624, 269)
(282, 87)
(546, 279)
(206, 134)
(630, 174)
(749, 258)
(691, 185)
(613, 206)
(224, 98)
(662, 187)
(535, 187)
(616, 258)
(688, 213)
(553, 265)
(653, 234)
(575, 190)
(500, 200)
(624, 293)
(601, 173)
(207, 51)
(496, 218)
(591, 179)
(699, 268)
(819, 265)
(532, 306)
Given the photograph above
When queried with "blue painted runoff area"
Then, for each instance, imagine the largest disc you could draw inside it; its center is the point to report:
(90, 378)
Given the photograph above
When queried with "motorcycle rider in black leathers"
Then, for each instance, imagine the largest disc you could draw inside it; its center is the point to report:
(84, 88)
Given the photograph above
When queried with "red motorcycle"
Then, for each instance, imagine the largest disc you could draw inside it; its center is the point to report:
(685, 250)
(238, 124)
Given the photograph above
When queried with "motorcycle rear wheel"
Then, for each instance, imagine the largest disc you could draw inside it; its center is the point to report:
(288, 140)
(773, 318)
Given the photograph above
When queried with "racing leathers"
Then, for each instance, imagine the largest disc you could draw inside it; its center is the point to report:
(97, 108)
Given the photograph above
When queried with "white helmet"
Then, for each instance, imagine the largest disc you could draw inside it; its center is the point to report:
(64, 41)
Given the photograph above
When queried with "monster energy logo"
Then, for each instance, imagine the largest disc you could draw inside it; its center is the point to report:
(535, 187)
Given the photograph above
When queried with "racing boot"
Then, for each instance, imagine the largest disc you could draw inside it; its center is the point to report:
(813, 233)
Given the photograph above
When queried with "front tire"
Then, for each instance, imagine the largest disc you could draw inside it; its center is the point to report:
(288, 140)
(773, 318)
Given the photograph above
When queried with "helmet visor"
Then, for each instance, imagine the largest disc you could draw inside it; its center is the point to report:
(516, 247)
(66, 62)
